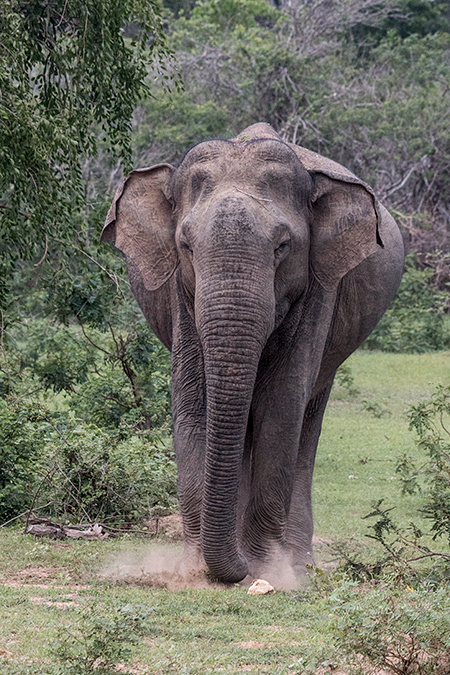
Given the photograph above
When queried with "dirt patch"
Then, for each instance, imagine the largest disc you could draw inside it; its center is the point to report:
(4, 654)
(55, 603)
(33, 576)
(13, 583)
(39, 577)
(245, 668)
(275, 628)
(36, 573)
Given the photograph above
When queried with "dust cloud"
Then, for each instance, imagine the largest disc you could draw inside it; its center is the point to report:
(280, 572)
(166, 566)
(160, 566)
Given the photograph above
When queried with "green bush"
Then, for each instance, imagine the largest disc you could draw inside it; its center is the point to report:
(100, 639)
(107, 377)
(402, 630)
(95, 475)
(408, 552)
(430, 419)
(21, 446)
(416, 321)
(84, 472)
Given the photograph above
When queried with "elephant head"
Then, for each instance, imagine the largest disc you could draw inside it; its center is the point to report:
(245, 226)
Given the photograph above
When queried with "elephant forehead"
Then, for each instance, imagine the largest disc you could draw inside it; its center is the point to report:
(207, 151)
(249, 155)
(254, 167)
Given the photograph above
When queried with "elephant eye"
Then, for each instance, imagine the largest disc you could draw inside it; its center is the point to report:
(281, 250)
(283, 246)
(185, 246)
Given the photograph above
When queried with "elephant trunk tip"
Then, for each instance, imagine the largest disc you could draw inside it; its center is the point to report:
(229, 572)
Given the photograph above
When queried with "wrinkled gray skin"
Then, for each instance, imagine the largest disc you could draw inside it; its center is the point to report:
(262, 266)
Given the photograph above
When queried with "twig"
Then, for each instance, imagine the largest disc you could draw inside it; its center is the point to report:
(64, 474)
(111, 397)
(36, 508)
(443, 425)
(93, 343)
(113, 277)
(118, 350)
(118, 529)
(33, 501)
(45, 253)
(401, 183)
(430, 555)
(72, 495)
(5, 207)
(62, 16)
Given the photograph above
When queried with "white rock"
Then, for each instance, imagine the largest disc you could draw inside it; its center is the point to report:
(260, 587)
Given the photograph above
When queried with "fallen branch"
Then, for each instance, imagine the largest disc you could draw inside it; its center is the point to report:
(43, 527)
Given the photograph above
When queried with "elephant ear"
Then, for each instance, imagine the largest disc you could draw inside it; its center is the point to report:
(140, 224)
(345, 222)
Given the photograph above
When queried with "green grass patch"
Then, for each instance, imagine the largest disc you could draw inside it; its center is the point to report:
(364, 434)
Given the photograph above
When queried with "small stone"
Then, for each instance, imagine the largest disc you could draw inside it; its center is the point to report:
(260, 587)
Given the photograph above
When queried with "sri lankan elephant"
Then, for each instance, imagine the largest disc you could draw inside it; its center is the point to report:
(262, 266)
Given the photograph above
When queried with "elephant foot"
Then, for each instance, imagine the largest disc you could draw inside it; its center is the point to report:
(282, 568)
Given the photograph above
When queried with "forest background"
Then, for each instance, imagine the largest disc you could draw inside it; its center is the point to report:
(92, 88)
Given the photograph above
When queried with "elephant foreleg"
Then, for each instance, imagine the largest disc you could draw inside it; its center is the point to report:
(288, 372)
(299, 529)
(189, 419)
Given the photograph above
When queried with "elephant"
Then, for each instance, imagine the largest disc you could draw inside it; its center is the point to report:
(261, 266)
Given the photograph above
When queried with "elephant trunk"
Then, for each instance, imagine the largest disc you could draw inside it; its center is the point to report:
(233, 328)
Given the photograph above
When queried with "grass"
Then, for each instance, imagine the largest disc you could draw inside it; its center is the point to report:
(47, 585)
(355, 463)
(189, 631)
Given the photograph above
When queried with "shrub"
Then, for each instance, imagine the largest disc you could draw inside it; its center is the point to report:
(122, 374)
(101, 637)
(84, 472)
(430, 420)
(344, 381)
(407, 549)
(21, 445)
(415, 321)
(93, 475)
(405, 631)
